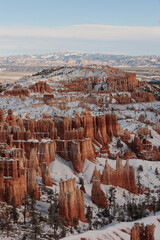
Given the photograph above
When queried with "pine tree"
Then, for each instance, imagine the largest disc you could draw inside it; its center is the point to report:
(156, 171)
(89, 216)
(112, 200)
(14, 213)
(34, 216)
(26, 206)
(8, 225)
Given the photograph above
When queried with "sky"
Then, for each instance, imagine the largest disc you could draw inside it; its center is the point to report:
(107, 26)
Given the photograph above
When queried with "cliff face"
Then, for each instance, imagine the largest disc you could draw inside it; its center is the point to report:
(16, 179)
(139, 232)
(40, 87)
(78, 135)
(46, 175)
(13, 181)
(18, 91)
(123, 176)
(97, 195)
(76, 151)
(71, 202)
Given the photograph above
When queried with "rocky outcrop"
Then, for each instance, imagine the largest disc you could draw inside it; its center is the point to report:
(2, 118)
(17, 176)
(139, 232)
(71, 203)
(80, 133)
(143, 97)
(96, 175)
(144, 149)
(46, 175)
(10, 119)
(76, 151)
(123, 176)
(121, 81)
(13, 180)
(121, 99)
(97, 195)
(40, 87)
(18, 91)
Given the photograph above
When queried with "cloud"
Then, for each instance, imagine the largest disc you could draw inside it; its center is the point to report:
(85, 32)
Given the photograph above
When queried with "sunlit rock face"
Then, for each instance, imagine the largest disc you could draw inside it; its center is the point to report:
(141, 232)
(71, 202)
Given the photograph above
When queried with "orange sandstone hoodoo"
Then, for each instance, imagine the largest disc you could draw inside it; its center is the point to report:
(71, 202)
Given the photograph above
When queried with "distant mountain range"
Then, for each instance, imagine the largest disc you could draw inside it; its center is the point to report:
(76, 58)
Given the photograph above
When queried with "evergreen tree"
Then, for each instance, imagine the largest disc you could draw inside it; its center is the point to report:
(156, 171)
(26, 207)
(112, 200)
(89, 216)
(14, 213)
(34, 216)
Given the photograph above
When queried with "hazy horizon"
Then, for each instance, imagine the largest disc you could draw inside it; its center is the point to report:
(112, 27)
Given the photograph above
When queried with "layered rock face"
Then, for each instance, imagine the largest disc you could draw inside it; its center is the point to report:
(123, 176)
(121, 81)
(10, 119)
(18, 91)
(115, 79)
(78, 135)
(139, 232)
(40, 87)
(46, 175)
(144, 149)
(97, 195)
(17, 180)
(143, 97)
(71, 203)
(13, 181)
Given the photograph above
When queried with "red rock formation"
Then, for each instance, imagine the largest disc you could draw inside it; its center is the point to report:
(76, 151)
(40, 87)
(139, 232)
(96, 175)
(126, 137)
(2, 119)
(46, 175)
(143, 97)
(156, 154)
(145, 150)
(13, 181)
(137, 146)
(121, 81)
(121, 99)
(18, 91)
(123, 176)
(97, 195)
(144, 132)
(71, 203)
(11, 118)
(129, 155)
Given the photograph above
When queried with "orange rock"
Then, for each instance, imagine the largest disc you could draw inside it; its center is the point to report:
(46, 175)
(97, 195)
(139, 232)
(40, 87)
(11, 118)
(143, 97)
(71, 203)
(20, 91)
(123, 176)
